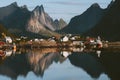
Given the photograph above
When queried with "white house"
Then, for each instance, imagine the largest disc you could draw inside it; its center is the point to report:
(65, 39)
(41, 39)
(36, 40)
(8, 39)
(72, 38)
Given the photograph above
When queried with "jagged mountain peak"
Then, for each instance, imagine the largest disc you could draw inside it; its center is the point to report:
(56, 20)
(14, 4)
(24, 7)
(95, 5)
(61, 19)
(20, 21)
(39, 9)
(60, 23)
(36, 8)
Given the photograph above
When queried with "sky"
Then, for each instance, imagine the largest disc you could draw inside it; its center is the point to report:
(57, 9)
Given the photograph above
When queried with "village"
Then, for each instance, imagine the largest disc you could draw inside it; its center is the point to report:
(66, 45)
(64, 42)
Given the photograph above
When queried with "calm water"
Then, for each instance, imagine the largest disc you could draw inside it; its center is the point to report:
(54, 64)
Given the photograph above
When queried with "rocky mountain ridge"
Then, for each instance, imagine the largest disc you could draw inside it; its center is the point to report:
(21, 21)
(81, 23)
(109, 26)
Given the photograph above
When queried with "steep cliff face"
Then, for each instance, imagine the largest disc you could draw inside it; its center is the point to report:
(81, 23)
(41, 23)
(39, 20)
(21, 21)
(109, 26)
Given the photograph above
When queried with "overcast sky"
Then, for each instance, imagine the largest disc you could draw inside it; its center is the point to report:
(65, 9)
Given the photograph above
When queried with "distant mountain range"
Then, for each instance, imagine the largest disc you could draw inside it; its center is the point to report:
(95, 21)
(21, 21)
(81, 23)
(109, 26)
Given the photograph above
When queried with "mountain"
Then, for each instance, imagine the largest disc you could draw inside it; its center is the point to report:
(109, 26)
(22, 22)
(3, 30)
(81, 23)
(39, 20)
(16, 18)
(60, 24)
(6, 11)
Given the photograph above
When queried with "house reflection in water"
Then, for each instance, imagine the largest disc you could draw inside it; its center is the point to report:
(40, 60)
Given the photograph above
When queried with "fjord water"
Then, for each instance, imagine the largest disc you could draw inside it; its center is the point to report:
(48, 64)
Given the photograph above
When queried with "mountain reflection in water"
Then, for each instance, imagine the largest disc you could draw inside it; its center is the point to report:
(55, 64)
